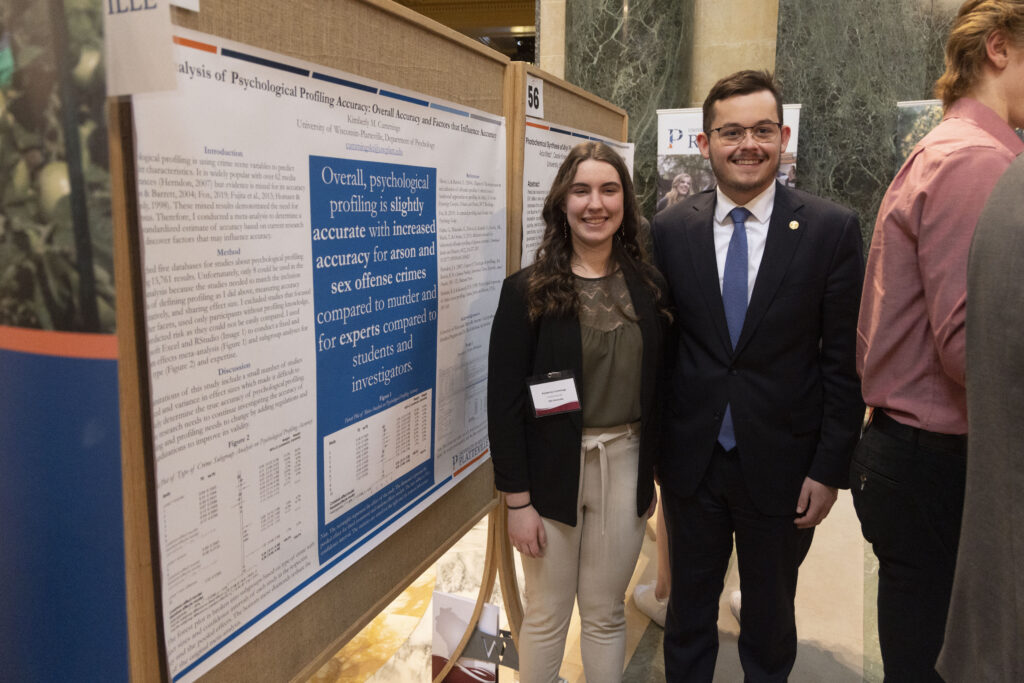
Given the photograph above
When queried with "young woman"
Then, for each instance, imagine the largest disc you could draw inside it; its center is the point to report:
(573, 412)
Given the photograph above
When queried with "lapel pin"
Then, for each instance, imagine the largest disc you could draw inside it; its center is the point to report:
(793, 225)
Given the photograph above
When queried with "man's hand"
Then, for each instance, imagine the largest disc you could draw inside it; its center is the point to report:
(814, 503)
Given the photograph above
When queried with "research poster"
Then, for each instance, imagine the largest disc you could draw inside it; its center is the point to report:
(322, 256)
(683, 172)
(546, 146)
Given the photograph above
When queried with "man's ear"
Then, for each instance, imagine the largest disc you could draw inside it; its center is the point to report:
(997, 49)
(703, 143)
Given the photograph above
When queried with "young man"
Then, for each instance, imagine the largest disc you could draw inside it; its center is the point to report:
(764, 408)
(908, 471)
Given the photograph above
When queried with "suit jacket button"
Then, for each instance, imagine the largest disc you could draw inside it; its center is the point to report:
(732, 371)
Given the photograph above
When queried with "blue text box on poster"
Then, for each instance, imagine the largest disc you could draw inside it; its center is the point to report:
(374, 236)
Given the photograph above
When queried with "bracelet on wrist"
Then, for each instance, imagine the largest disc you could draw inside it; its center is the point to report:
(518, 507)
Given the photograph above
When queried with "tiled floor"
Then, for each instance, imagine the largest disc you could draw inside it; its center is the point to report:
(834, 612)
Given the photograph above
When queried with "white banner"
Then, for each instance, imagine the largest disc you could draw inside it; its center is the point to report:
(681, 166)
(137, 36)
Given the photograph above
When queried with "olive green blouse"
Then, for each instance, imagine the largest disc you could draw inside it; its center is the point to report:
(612, 351)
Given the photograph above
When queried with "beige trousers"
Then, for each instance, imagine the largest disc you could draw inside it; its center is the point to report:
(590, 563)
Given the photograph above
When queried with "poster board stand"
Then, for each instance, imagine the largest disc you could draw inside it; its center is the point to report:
(379, 40)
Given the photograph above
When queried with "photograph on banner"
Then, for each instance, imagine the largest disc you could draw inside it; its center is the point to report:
(914, 120)
(56, 244)
(683, 172)
(546, 146)
(319, 284)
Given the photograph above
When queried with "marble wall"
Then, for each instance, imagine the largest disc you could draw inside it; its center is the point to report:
(848, 63)
(635, 54)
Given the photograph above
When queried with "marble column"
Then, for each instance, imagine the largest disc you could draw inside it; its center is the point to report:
(848, 63)
(635, 54)
(550, 22)
(730, 35)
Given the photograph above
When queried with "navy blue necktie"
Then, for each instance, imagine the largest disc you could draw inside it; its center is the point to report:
(734, 298)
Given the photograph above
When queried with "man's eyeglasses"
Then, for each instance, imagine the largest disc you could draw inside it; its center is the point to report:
(735, 134)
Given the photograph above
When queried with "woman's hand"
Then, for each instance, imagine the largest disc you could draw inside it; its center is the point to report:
(526, 530)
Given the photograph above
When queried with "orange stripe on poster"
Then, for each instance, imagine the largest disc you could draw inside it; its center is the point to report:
(538, 125)
(185, 42)
(463, 468)
(66, 344)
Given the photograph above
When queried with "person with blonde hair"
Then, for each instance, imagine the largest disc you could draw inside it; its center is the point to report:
(682, 187)
(908, 471)
(573, 413)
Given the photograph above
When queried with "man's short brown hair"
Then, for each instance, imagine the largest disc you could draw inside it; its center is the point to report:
(740, 83)
(966, 49)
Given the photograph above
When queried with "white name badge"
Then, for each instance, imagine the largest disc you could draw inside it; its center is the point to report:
(554, 393)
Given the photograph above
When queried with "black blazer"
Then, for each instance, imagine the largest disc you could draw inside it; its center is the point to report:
(791, 382)
(542, 455)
